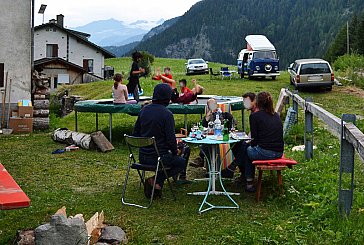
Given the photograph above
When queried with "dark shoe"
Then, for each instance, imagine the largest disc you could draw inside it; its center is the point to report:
(197, 163)
(157, 193)
(250, 187)
(183, 182)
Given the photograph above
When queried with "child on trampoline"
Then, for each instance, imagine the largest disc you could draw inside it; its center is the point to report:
(120, 91)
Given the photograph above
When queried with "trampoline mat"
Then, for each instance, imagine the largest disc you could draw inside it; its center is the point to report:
(107, 105)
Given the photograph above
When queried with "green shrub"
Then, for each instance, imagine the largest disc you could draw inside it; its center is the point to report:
(352, 67)
(146, 62)
(346, 61)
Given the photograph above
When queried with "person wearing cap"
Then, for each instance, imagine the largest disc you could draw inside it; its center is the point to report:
(156, 120)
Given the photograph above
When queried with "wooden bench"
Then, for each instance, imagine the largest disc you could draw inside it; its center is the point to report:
(11, 195)
(272, 165)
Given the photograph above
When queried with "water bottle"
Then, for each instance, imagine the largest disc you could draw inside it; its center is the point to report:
(217, 125)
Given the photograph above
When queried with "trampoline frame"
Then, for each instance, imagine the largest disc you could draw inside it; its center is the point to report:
(180, 109)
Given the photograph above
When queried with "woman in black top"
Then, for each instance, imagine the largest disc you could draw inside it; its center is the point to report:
(135, 72)
(267, 136)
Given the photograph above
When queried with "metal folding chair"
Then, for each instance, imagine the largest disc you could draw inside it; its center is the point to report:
(134, 143)
(225, 72)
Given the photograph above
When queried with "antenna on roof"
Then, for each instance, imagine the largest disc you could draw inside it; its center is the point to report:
(42, 10)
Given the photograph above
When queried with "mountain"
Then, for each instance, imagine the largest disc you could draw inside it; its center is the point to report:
(120, 51)
(122, 48)
(160, 28)
(116, 33)
(215, 29)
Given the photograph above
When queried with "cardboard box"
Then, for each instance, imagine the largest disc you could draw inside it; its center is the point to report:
(21, 125)
(25, 111)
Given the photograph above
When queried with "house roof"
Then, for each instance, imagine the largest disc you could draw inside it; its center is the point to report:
(57, 60)
(81, 36)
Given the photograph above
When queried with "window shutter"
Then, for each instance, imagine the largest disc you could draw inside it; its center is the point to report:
(1, 74)
(85, 64)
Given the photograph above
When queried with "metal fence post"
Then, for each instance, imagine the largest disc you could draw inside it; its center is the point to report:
(295, 106)
(308, 131)
(346, 190)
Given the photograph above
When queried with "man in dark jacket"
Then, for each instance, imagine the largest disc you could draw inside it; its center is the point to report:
(156, 120)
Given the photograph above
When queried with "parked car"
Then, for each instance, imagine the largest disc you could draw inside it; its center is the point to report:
(197, 66)
(311, 73)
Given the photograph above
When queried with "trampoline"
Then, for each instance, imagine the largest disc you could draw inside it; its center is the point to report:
(107, 106)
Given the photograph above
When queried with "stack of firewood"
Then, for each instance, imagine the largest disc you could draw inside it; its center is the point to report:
(41, 95)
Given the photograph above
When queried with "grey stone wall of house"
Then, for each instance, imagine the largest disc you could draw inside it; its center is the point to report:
(15, 48)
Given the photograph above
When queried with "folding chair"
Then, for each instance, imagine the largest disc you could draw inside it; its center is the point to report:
(134, 143)
(225, 72)
(213, 74)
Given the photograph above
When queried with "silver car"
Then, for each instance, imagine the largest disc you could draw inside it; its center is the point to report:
(311, 73)
(197, 66)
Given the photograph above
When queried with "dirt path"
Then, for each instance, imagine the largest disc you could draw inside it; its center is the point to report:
(352, 90)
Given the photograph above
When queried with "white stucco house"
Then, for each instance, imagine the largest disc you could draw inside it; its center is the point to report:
(67, 56)
(15, 49)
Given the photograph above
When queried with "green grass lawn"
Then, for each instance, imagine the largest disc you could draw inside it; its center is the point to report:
(88, 181)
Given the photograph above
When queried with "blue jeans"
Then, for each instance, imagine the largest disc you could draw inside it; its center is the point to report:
(174, 163)
(257, 153)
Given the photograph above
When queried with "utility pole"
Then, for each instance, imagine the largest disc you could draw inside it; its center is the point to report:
(347, 38)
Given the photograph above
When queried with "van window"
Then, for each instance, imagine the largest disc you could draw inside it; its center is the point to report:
(264, 55)
(315, 68)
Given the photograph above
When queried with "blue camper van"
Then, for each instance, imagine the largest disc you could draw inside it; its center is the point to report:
(259, 59)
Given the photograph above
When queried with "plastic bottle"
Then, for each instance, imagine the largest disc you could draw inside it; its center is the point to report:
(217, 125)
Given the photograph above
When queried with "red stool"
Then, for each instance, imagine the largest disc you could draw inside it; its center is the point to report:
(271, 165)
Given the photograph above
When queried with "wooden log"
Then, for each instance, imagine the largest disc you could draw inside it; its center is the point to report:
(41, 113)
(102, 143)
(43, 91)
(40, 123)
(41, 104)
(41, 96)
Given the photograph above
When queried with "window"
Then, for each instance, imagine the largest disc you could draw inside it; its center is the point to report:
(1, 75)
(264, 55)
(88, 65)
(52, 50)
(315, 68)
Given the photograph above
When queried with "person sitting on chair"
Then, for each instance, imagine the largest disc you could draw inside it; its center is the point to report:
(250, 102)
(156, 120)
(211, 111)
(267, 137)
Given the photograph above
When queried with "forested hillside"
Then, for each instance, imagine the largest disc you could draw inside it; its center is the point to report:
(215, 29)
(355, 29)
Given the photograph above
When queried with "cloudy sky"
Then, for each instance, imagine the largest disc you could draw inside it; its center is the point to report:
(81, 12)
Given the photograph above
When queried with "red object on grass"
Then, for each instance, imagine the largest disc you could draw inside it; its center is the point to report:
(11, 195)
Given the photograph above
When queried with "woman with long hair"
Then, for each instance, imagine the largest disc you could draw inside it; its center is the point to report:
(267, 137)
(120, 91)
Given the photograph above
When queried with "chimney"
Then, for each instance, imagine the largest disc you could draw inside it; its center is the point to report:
(60, 19)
